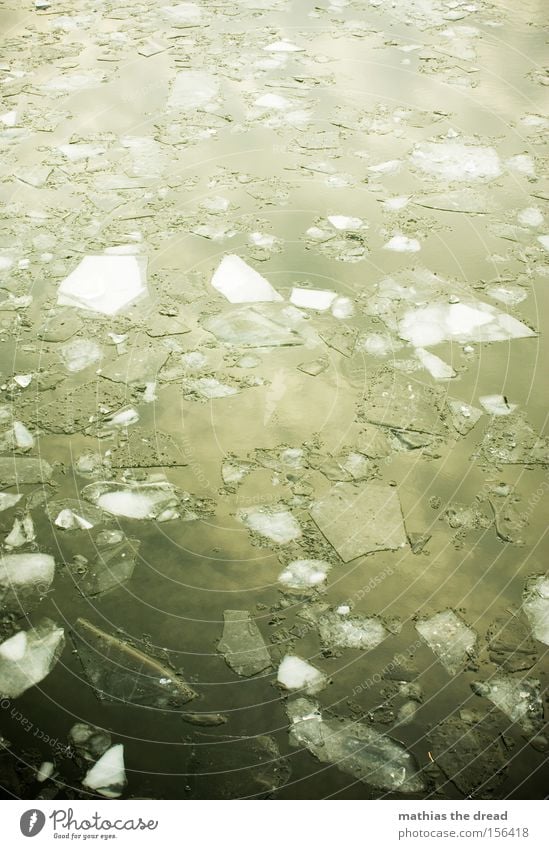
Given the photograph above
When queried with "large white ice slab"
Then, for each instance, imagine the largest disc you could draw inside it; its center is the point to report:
(461, 322)
(240, 283)
(453, 160)
(104, 284)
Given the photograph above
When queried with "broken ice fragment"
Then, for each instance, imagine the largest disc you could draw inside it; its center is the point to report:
(28, 657)
(112, 568)
(207, 388)
(79, 354)
(519, 699)
(436, 367)
(449, 638)
(72, 515)
(402, 244)
(314, 299)
(463, 416)
(193, 90)
(304, 574)
(16, 471)
(361, 520)
(104, 284)
(21, 533)
(345, 222)
(459, 322)
(296, 674)
(354, 748)
(155, 500)
(23, 576)
(8, 500)
(274, 523)
(108, 777)
(89, 741)
(535, 604)
(247, 327)
(241, 284)
(340, 630)
(22, 437)
(119, 672)
(452, 160)
(314, 367)
(496, 405)
(242, 645)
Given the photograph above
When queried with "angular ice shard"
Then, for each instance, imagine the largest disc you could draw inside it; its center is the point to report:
(463, 416)
(23, 576)
(242, 645)
(9, 500)
(452, 160)
(138, 366)
(361, 520)
(112, 568)
(339, 630)
(460, 322)
(345, 222)
(119, 672)
(79, 354)
(15, 471)
(155, 500)
(73, 515)
(108, 777)
(274, 523)
(28, 657)
(246, 327)
(402, 244)
(104, 284)
(207, 388)
(496, 405)
(354, 748)
(21, 533)
(313, 299)
(241, 284)
(449, 638)
(436, 367)
(304, 574)
(193, 90)
(296, 674)
(535, 603)
(519, 699)
(89, 741)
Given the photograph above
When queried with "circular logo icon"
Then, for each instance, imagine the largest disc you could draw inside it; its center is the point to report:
(32, 822)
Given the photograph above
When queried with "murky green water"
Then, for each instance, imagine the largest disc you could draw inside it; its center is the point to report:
(359, 90)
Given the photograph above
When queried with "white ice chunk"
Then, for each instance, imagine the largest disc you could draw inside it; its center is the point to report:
(21, 533)
(22, 437)
(343, 307)
(449, 638)
(304, 574)
(27, 657)
(340, 630)
(20, 573)
(522, 164)
(272, 101)
(296, 674)
(240, 283)
(193, 90)
(496, 405)
(395, 203)
(314, 299)
(282, 47)
(104, 284)
(134, 501)
(183, 13)
(459, 322)
(108, 776)
(544, 242)
(8, 499)
(536, 606)
(453, 160)
(71, 521)
(44, 771)
(274, 523)
(402, 244)
(530, 217)
(436, 367)
(75, 152)
(345, 222)
(79, 354)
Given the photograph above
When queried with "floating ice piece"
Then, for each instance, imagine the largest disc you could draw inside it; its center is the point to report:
(272, 101)
(89, 741)
(23, 576)
(247, 327)
(535, 603)
(452, 160)
(21, 533)
(340, 630)
(79, 354)
(112, 568)
(396, 203)
(449, 638)
(183, 13)
(463, 416)
(544, 242)
(240, 283)
(76, 152)
(274, 523)
(519, 699)
(522, 164)
(402, 244)
(242, 645)
(108, 777)
(8, 500)
(23, 380)
(15, 471)
(460, 322)
(73, 515)
(119, 672)
(496, 405)
(296, 674)
(28, 657)
(361, 520)
(530, 217)
(304, 574)
(346, 222)
(207, 387)
(104, 284)
(134, 500)
(436, 367)
(315, 299)
(138, 366)
(354, 748)
(45, 771)
(193, 90)
(343, 307)
(283, 47)
(23, 439)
